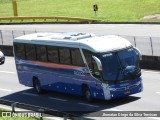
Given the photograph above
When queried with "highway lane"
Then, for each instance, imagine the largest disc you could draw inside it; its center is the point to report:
(10, 89)
(8, 77)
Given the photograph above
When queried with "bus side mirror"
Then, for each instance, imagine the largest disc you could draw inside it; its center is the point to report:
(98, 62)
(139, 52)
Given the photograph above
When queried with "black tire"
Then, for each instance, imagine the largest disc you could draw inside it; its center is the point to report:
(87, 95)
(2, 63)
(37, 86)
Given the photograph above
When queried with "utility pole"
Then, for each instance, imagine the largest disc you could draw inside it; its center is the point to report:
(14, 3)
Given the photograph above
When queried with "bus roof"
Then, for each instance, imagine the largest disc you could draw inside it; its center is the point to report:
(75, 39)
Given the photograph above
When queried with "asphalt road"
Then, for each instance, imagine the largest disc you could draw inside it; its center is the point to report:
(148, 100)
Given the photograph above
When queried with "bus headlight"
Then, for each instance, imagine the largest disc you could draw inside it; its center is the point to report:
(112, 89)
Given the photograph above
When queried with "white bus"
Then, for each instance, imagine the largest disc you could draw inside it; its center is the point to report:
(101, 67)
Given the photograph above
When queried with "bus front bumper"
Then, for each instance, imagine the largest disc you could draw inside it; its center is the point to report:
(117, 91)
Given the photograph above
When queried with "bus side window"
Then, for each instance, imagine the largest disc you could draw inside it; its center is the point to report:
(53, 55)
(41, 53)
(30, 52)
(76, 57)
(64, 54)
(19, 50)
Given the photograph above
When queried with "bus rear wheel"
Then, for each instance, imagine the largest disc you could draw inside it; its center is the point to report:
(37, 86)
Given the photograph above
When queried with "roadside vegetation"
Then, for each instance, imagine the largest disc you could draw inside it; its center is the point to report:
(108, 10)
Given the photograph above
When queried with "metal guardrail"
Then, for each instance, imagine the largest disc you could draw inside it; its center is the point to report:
(45, 112)
(22, 18)
(149, 46)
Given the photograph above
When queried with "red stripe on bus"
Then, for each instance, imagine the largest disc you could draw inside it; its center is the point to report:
(54, 65)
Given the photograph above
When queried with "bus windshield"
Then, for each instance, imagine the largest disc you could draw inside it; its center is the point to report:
(120, 65)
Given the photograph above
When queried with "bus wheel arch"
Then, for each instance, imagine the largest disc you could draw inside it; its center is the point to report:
(86, 93)
(37, 85)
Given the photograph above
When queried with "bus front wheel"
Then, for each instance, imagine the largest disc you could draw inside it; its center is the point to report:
(37, 86)
(87, 95)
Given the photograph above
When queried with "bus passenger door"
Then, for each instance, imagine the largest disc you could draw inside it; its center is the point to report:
(95, 71)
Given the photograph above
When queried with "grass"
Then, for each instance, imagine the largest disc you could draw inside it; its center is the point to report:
(109, 10)
(15, 118)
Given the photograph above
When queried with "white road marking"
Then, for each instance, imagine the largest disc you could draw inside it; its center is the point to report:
(88, 105)
(5, 108)
(53, 118)
(8, 72)
(6, 90)
(155, 118)
(59, 99)
(25, 93)
(148, 71)
(157, 92)
(112, 109)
